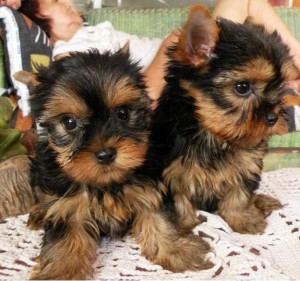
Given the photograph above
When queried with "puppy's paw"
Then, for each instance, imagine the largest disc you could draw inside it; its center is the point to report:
(57, 271)
(36, 217)
(36, 272)
(186, 253)
(252, 220)
(252, 225)
(249, 221)
(190, 222)
(266, 204)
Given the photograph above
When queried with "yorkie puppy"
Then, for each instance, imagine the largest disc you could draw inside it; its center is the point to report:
(221, 103)
(95, 114)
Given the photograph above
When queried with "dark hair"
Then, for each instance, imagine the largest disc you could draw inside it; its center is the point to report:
(30, 8)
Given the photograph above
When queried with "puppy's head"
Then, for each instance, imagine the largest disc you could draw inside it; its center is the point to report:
(95, 113)
(234, 74)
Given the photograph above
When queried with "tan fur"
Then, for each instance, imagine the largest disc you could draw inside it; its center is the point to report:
(162, 244)
(17, 196)
(99, 205)
(151, 229)
(184, 181)
(239, 127)
(160, 241)
(64, 101)
(85, 167)
(78, 212)
(289, 100)
(77, 250)
(209, 35)
(228, 128)
(26, 77)
(122, 93)
(235, 206)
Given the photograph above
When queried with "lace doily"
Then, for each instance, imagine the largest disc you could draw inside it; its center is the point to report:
(274, 255)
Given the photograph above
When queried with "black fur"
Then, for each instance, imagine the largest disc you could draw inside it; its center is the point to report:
(177, 132)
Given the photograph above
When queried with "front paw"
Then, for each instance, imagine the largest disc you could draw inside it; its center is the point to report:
(266, 204)
(62, 270)
(190, 222)
(244, 221)
(36, 217)
(35, 274)
(252, 219)
(186, 253)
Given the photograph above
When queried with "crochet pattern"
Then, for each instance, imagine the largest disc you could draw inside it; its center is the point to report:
(274, 255)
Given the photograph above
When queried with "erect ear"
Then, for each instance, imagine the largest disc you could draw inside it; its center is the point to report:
(125, 48)
(198, 37)
(26, 77)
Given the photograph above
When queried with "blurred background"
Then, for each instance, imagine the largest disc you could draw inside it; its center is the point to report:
(87, 4)
(83, 4)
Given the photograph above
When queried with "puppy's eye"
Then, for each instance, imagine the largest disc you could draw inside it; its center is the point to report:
(243, 88)
(69, 122)
(123, 113)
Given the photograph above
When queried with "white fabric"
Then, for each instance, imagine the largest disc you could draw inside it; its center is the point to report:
(15, 57)
(105, 38)
(297, 117)
(274, 255)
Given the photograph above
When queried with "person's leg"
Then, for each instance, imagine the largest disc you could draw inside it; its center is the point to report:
(237, 11)
(261, 12)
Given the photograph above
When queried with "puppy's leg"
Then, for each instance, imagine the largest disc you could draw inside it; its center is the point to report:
(68, 252)
(246, 213)
(69, 244)
(186, 212)
(163, 244)
(182, 190)
(160, 240)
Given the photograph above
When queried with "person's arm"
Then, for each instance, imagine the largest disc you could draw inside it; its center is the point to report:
(154, 73)
(261, 12)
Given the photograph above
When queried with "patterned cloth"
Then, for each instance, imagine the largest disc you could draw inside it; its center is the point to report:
(26, 46)
(274, 255)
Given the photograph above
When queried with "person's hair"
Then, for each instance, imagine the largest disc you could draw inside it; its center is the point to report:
(30, 8)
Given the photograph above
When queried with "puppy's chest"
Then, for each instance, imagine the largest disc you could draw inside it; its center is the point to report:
(210, 175)
(112, 212)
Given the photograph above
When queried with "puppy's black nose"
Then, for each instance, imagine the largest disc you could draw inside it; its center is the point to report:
(106, 156)
(271, 118)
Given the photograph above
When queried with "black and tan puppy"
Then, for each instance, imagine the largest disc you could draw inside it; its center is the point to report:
(219, 107)
(94, 111)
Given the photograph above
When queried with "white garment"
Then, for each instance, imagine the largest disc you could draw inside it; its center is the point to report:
(104, 37)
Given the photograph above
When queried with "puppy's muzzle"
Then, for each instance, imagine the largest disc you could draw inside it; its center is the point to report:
(106, 156)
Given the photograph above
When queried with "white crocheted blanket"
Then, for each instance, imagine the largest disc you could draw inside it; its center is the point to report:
(274, 255)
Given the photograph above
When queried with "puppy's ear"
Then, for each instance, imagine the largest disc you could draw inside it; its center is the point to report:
(26, 77)
(125, 48)
(198, 37)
